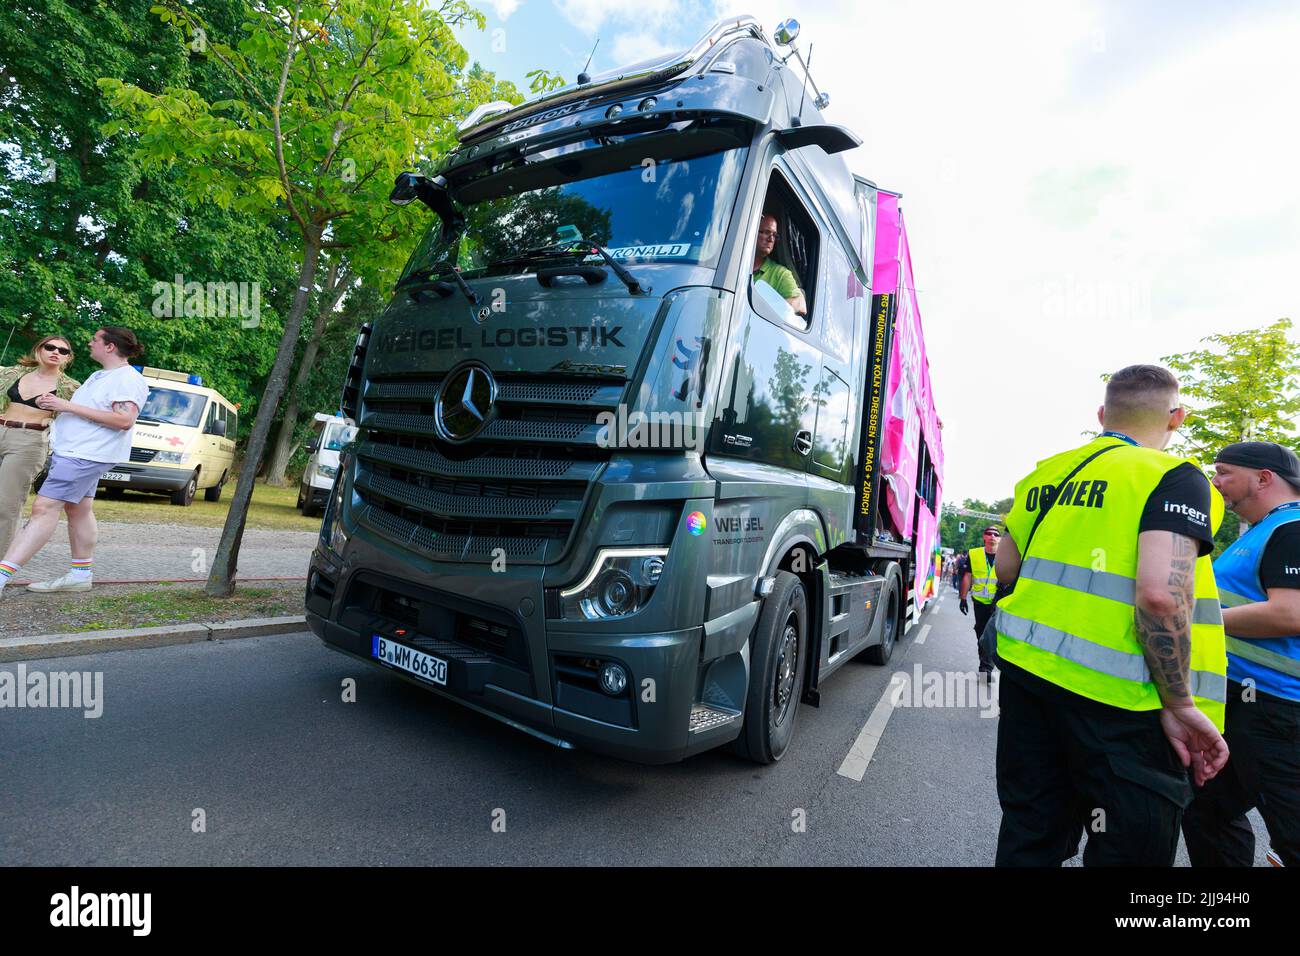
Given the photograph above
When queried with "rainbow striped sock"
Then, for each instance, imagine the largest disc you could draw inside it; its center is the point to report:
(80, 569)
(7, 571)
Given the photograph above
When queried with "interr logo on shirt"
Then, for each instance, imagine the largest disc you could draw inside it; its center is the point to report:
(1196, 517)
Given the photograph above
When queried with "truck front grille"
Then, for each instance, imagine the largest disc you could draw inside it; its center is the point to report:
(516, 491)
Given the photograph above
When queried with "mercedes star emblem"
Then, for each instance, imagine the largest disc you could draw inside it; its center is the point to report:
(464, 402)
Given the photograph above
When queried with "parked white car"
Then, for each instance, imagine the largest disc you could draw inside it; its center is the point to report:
(331, 434)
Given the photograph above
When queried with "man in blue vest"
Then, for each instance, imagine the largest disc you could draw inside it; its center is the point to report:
(1259, 587)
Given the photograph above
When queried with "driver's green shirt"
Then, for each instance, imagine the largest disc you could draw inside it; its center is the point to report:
(779, 278)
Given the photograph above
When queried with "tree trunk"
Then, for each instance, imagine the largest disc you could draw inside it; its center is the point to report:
(225, 564)
(335, 285)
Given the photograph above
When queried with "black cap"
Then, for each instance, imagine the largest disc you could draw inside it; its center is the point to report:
(1279, 459)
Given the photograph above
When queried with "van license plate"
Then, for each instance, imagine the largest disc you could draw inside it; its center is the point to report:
(424, 666)
(114, 476)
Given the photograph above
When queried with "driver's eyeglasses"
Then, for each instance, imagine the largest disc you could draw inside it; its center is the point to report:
(51, 347)
(768, 232)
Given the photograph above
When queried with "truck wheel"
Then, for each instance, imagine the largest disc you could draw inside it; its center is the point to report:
(776, 668)
(214, 493)
(880, 653)
(185, 497)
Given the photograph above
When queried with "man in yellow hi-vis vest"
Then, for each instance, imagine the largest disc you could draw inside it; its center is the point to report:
(979, 580)
(1111, 645)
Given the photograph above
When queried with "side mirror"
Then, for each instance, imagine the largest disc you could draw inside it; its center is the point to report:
(832, 139)
(768, 303)
(404, 189)
(219, 428)
(432, 192)
(312, 446)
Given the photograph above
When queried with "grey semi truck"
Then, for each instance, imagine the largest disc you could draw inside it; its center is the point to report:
(613, 484)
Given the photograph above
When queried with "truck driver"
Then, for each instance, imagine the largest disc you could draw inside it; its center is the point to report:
(773, 273)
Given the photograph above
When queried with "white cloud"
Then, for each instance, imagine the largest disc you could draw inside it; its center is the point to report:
(643, 15)
(629, 48)
(504, 8)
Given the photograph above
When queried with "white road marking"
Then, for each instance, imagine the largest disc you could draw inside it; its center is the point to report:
(922, 634)
(855, 764)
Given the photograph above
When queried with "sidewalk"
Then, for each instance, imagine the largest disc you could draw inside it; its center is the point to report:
(162, 552)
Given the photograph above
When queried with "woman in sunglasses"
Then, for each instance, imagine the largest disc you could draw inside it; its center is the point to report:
(25, 426)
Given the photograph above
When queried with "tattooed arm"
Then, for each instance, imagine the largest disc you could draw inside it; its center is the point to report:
(1166, 567)
(1165, 602)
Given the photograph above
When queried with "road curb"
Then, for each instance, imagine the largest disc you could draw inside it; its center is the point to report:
(93, 642)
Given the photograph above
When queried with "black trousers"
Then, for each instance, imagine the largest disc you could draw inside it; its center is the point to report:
(982, 614)
(1067, 769)
(1263, 771)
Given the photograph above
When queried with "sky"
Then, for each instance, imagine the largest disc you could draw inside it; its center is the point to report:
(1086, 183)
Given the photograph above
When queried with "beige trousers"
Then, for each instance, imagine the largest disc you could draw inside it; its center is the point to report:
(22, 455)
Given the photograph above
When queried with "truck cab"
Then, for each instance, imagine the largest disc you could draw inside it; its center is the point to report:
(607, 487)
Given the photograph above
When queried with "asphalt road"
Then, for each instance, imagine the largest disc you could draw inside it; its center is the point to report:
(254, 734)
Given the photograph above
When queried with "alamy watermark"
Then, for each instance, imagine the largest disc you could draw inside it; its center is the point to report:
(934, 689)
(83, 690)
(673, 430)
(208, 300)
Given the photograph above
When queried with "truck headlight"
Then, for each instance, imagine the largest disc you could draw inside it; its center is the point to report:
(332, 531)
(327, 471)
(171, 457)
(619, 583)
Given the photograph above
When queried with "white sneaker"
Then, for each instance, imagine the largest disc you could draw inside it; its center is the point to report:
(59, 584)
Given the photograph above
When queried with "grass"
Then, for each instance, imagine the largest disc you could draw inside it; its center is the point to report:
(150, 608)
(271, 509)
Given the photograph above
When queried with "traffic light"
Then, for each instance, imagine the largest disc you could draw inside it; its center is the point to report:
(961, 527)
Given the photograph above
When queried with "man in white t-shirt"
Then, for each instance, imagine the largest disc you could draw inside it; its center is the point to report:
(92, 433)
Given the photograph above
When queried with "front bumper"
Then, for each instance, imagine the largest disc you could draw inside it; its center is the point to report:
(149, 478)
(532, 676)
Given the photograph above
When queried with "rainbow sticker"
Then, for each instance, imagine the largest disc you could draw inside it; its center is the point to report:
(696, 522)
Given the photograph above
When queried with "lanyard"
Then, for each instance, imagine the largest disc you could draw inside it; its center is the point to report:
(1121, 436)
(1284, 506)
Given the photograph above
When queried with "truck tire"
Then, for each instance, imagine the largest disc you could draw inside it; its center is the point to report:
(880, 653)
(214, 493)
(185, 497)
(776, 669)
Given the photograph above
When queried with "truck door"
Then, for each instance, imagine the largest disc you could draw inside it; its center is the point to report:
(768, 406)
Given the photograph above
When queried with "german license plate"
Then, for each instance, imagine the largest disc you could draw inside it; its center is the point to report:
(114, 476)
(424, 666)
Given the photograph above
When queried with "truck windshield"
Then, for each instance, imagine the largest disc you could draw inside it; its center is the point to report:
(173, 407)
(663, 210)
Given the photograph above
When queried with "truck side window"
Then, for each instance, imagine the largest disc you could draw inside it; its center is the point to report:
(791, 266)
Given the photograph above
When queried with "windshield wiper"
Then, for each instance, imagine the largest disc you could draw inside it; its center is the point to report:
(426, 279)
(578, 247)
(634, 285)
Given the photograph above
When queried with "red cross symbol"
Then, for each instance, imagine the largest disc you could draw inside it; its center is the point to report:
(174, 441)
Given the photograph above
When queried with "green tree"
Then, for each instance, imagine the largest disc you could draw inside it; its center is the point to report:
(325, 103)
(1244, 387)
(85, 231)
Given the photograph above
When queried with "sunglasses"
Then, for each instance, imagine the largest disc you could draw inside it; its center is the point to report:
(51, 347)
(992, 534)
